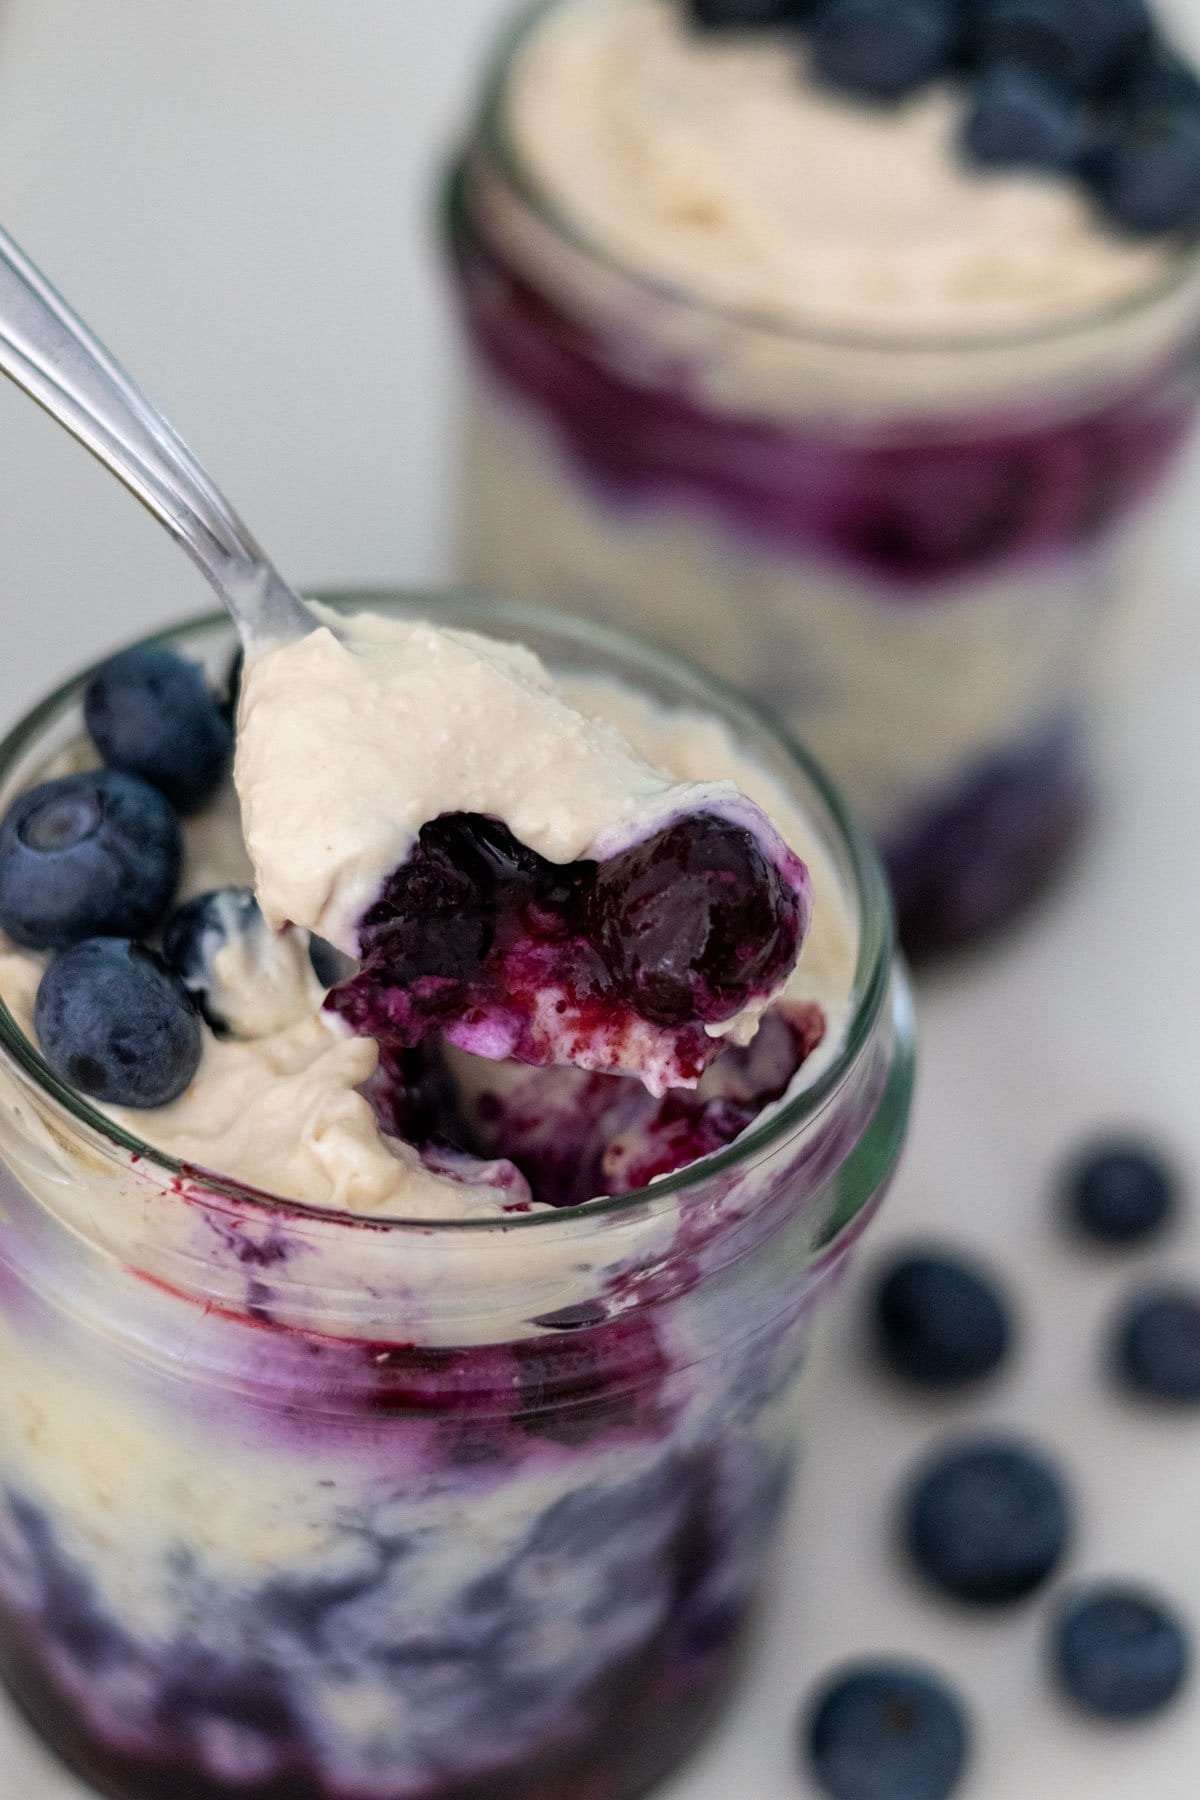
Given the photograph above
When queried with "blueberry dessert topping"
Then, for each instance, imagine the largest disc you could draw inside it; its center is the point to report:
(1081, 43)
(939, 1321)
(883, 49)
(1146, 174)
(1021, 119)
(1120, 1192)
(1157, 1347)
(114, 1022)
(472, 933)
(988, 1521)
(150, 713)
(693, 922)
(1159, 81)
(246, 979)
(718, 15)
(887, 1731)
(87, 856)
(1120, 1652)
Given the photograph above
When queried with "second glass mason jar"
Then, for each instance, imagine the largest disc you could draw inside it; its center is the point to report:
(300, 1505)
(916, 551)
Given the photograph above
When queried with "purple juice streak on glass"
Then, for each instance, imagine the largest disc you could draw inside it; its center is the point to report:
(924, 504)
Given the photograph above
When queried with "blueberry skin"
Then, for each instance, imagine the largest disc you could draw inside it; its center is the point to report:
(1145, 178)
(1157, 81)
(113, 1022)
(724, 15)
(883, 49)
(940, 1322)
(1120, 1192)
(1157, 1346)
(1120, 1653)
(196, 931)
(1021, 119)
(1081, 43)
(94, 855)
(887, 1731)
(150, 713)
(988, 1521)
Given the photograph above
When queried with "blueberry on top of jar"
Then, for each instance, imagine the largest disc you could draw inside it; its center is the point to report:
(150, 713)
(247, 980)
(88, 855)
(113, 1021)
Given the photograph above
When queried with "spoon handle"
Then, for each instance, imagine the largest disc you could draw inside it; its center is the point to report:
(47, 350)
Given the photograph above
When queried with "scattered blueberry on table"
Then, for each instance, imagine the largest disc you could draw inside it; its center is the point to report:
(113, 1022)
(1156, 1348)
(84, 856)
(940, 1321)
(1120, 1192)
(887, 1731)
(1119, 1652)
(988, 1521)
(150, 713)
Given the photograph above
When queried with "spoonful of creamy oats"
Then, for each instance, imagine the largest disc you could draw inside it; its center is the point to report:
(505, 870)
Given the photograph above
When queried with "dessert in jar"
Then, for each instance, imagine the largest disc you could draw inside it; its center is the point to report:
(848, 348)
(398, 1396)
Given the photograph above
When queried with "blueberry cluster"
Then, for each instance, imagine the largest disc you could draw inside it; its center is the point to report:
(988, 1520)
(1088, 89)
(89, 867)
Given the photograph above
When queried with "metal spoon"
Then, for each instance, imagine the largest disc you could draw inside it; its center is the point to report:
(50, 353)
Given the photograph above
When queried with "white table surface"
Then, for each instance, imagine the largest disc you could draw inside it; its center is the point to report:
(236, 194)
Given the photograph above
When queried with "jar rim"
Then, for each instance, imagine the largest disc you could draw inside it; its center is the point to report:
(474, 611)
(497, 141)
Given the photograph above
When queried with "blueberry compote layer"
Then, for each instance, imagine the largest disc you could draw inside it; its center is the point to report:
(620, 964)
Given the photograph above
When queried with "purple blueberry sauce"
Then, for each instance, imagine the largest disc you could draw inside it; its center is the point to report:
(481, 939)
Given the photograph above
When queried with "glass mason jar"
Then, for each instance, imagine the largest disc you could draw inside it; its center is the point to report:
(298, 1505)
(916, 552)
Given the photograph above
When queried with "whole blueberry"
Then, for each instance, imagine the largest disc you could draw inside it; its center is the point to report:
(150, 713)
(939, 1321)
(1157, 1346)
(887, 1731)
(1146, 175)
(113, 1022)
(883, 49)
(1120, 1191)
(1120, 1653)
(1021, 119)
(1081, 43)
(988, 1521)
(718, 15)
(88, 855)
(1156, 81)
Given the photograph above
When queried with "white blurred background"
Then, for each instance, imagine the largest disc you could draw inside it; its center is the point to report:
(238, 194)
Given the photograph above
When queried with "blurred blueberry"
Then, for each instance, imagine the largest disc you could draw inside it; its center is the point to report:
(150, 713)
(1120, 1653)
(1080, 43)
(247, 980)
(87, 856)
(1120, 1191)
(887, 1731)
(988, 1521)
(1021, 119)
(732, 14)
(883, 49)
(940, 1322)
(113, 1022)
(1158, 81)
(1157, 1345)
(1146, 175)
